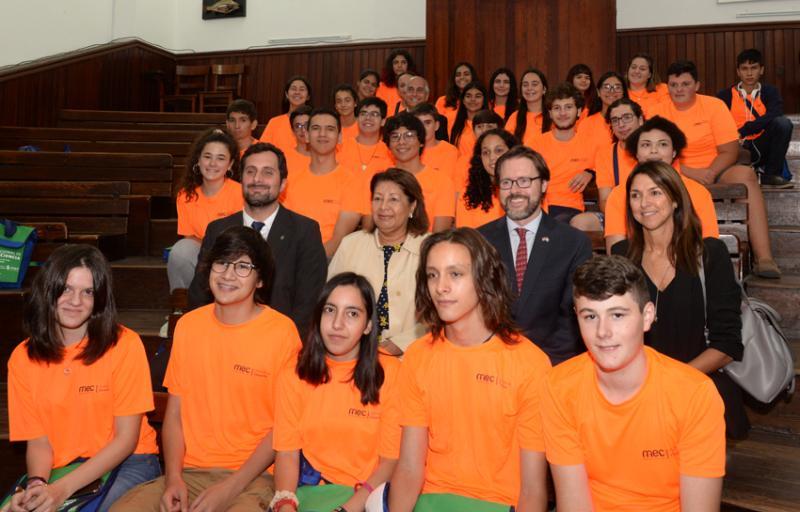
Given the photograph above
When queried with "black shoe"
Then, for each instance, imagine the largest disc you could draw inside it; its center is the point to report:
(773, 181)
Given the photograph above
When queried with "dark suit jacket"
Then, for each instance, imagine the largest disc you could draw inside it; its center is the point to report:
(300, 264)
(544, 309)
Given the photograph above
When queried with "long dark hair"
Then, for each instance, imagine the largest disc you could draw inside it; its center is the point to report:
(687, 235)
(193, 178)
(461, 117)
(522, 111)
(481, 187)
(590, 94)
(453, 92)
(41, 320)
(488, 276)
(368, 374)
(512, 102)
(388, 77)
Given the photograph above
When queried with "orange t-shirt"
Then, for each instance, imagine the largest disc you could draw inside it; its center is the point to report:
(476, 217)
(225, 376)
(635, 452)
(460, 174)
(437, 190)
(466, 143)
(364, 159)
(481, 407)
(533, 127)
(341, 437)
(701, 199)
(194, 216)
(649, 101)
(595, 129)
(279, 132)
(390, 96)
(707, 124)
(296, 165)
(442, 157)
(350, 131)
(448, 112)
(73, 404)
(604, 166)
(320, 196)
(565, 161)
(500, 110)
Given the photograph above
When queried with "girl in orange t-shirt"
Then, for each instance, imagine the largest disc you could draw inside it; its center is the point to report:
(644, 86)
(278, 131)
(473, 99)
(580, 75)
(398, 62)
(503, 92)
(335, 419)
(207, 193)
(530, 119)
(345, 99)
(479, 203)
(79, 386)
(447, 105)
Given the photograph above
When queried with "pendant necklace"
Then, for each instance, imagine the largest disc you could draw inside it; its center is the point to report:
(364, 165)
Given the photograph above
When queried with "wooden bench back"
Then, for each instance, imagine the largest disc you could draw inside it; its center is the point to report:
(148, 174)
(70, 118)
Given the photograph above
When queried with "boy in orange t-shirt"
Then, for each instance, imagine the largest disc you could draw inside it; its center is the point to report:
(438, 154)
(627, 428)
(221, 378)
(469, 390)
(240, 121)
(567, 152)
(317, 192)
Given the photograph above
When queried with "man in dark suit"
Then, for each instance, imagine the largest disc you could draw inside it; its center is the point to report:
(300, 264)
(539, 253)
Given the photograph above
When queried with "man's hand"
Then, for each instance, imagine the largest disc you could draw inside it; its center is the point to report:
(175, 497)
(217, 497)
(579, 182)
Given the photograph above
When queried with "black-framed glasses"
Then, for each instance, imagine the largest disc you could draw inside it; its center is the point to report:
(370, 113)
(240, 268)
(300, 126)
(522, 182)
(612, 87)
(408, 136)
(623, 119)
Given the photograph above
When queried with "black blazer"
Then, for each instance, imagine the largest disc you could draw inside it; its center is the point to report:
(544, 308)
(300, 264)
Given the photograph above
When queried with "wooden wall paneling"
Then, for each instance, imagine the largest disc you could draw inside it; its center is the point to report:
(548, 34)
(714, 49)
(111, 76)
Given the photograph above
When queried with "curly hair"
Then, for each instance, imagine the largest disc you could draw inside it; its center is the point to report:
(481, 187)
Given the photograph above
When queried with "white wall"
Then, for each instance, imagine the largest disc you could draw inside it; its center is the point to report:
(32, 29)
(150, 20)
(670, 13)
(361, 20)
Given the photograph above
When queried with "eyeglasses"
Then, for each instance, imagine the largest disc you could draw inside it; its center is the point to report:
(300, 126)
(623, 119)
(612, 87)
(523, 182)
(240, 268)
(370, 113)
(408, 136)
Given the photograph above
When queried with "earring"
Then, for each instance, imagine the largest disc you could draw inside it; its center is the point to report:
(411, 215)
(196, 168)
(674, 205)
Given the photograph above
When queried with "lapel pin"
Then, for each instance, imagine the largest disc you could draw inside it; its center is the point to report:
(545, 239)
(282, 237)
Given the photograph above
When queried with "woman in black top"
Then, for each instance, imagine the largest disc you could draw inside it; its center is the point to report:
(665, 240)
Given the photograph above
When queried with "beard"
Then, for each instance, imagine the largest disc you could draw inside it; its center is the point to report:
(255, 200)
(525, 211)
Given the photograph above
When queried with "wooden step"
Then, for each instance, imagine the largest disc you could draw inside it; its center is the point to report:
(762, 473)
(141, 283)
(147, 324)
(782, 294)
(786, 247)
(163, 234)
(782, 206)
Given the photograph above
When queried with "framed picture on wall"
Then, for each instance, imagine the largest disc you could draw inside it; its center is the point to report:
(219, 9)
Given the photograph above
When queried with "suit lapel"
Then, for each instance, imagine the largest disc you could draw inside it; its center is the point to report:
(279, 232)
(539, 255)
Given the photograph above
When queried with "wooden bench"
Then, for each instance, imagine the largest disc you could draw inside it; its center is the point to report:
(69, 118)
(98, 209)
(148, 174)
(731, 208)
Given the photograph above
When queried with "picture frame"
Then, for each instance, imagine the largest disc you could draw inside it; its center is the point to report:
(221, 9)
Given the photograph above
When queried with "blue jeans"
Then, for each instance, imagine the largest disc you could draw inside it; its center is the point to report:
(136, 469)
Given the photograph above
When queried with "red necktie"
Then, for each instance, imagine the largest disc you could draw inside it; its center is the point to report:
(522, 258)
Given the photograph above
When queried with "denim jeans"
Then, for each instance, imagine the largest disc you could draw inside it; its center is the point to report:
(136, 469)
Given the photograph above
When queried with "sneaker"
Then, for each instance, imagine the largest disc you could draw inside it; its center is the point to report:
(767, 269)
(773, 181)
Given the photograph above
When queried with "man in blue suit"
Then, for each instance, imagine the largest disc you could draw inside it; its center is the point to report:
(540, 254)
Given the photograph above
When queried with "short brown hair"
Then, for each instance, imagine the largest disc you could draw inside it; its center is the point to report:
(602, 277)
(521, 151)
(488, 276)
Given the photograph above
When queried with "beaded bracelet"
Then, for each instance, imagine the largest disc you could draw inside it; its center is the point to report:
(365, 485)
